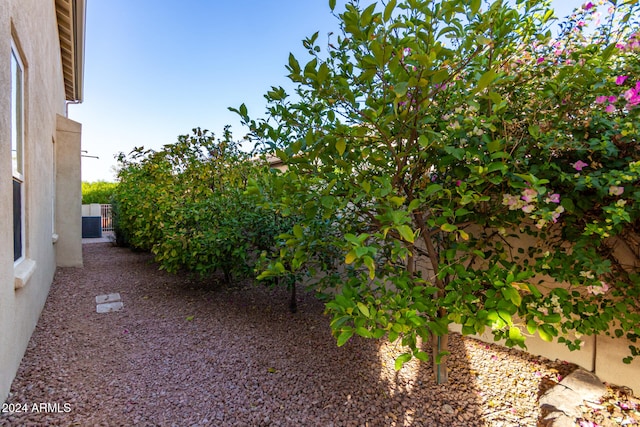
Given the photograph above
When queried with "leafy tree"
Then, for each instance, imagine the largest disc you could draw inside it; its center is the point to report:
(473, 168)
(98, 192)
(187, 204)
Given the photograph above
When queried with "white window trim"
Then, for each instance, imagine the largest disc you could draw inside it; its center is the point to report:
(15, 53)
(23, 267)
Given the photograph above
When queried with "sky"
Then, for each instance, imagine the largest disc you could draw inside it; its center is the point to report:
(156, 69)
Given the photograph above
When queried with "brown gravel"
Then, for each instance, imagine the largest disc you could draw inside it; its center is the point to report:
(187, 353)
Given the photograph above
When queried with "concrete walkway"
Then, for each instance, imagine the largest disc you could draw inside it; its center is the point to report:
(107, 237)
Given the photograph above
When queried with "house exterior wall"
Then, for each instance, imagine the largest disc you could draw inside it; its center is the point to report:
(32, 25)
(68, 193)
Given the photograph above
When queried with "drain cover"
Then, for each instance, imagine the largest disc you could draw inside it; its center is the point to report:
(108, 307)
(107, 298)
(108, 303)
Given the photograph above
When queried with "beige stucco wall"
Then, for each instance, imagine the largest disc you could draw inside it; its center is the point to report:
(600, 354)
(68, 194)
(93, 209)
(32, 23)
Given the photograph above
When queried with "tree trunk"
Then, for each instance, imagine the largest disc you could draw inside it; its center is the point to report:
(293, 303)
(439, 344)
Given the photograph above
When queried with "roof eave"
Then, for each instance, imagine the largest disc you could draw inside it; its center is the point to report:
(71, 18)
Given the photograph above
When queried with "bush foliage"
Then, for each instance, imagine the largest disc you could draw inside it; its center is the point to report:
(476, 170)
(98, 192)
(187, 204)
(448, 162)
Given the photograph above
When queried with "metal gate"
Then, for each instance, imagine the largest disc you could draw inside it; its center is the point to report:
(107, 220)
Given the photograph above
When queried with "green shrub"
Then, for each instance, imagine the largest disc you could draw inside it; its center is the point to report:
(445, 134)
(98, 192)
(188, 204)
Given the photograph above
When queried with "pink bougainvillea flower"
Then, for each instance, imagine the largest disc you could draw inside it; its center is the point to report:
(588, 6)
(598, 290)
(601, 99)
(553, 198)
(556, 214)
(612, 99)
(610, 108)
(528, 208)
(633, 96)
(621, 79)
(615, 191)
(579, 165)
(512, 201)
(634, 42)
(529, 194)
(540, 60)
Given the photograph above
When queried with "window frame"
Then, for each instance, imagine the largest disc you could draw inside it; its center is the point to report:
(18, 145)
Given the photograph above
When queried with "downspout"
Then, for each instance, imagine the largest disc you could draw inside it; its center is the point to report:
(66, 106)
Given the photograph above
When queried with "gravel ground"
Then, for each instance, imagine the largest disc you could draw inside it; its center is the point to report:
(187, 353)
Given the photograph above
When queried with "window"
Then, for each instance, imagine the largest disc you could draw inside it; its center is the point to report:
(17, 152)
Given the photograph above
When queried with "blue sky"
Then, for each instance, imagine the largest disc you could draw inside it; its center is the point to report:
(155, 69)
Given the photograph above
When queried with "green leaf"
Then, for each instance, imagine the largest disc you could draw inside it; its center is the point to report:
(475, 6)
(514, 334)
(552, 318)
(363, 309)
(363, 332)
(449, 228)
(341, 146)
(494, 145)
(406, 233)
(432, 189)
(415, 204)
(512, 295)
(243, 110)
(400, 89)
(368, 261)
(323, 72)
(327, 201)
(440, 75)
(344, 336)
(351, 256)
(422, 356)
(401, 360)
(388, 9)
(297, 231)
(293, 64)
(544, 335)
(332, 4)
(547, 332)
(485, 80)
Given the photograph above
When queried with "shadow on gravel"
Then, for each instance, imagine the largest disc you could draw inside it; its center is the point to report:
(184, 352)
